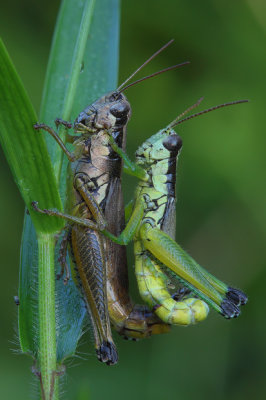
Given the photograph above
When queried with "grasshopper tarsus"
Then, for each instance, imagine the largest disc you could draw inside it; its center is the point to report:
(131, 339)
(38, 126)
(236, 296)
(34, 205)
(66, 124)
(66, 279)
(229, 309)
(107, 353)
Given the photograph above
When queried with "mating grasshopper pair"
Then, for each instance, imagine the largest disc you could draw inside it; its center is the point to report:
(95, 208)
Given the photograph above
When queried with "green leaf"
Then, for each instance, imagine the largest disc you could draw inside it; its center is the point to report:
(24, 148)
(97, 66)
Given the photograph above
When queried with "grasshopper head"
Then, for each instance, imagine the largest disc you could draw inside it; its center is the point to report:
(164, 145)
(109, 112)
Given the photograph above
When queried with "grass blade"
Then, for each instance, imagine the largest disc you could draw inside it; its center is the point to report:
(25, 150)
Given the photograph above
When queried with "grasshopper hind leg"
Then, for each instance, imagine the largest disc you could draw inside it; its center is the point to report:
(88, 257)
(218, 295)
(234, 299)
(236, 296)
(153, 288)
(107, 353)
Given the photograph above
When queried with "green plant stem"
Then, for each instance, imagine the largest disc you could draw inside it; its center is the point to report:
(47, 356)
(47, 345)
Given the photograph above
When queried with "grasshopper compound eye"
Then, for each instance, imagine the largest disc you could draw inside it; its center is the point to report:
(120, 110)
(173, 143)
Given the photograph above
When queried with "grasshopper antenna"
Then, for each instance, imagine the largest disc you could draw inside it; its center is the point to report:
(122, 87)
(154, 74)
(173, 123)
(208, 110)
(145, 63)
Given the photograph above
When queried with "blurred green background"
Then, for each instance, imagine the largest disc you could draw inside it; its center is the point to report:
(221, 213)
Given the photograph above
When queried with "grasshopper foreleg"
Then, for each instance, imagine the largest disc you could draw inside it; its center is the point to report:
(66, 124)
(129, 166)
(81, 184)
(70, 218)
(71, 157)
(131, 228)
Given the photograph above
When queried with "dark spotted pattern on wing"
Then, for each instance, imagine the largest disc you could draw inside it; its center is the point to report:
(90, 261)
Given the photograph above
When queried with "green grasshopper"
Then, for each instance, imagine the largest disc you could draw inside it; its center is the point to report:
(152, 228)
(95, 196)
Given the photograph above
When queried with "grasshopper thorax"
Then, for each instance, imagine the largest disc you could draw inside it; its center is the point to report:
(110, 112)
(158, 155)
